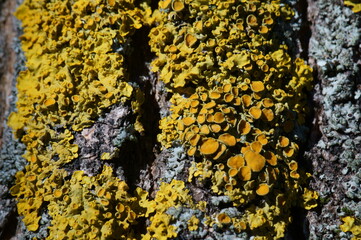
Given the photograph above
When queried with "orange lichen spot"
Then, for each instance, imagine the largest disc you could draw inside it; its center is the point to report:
(214, 95)
(188, 121)
(257, 96)
(210, 105)
(120, 207)
(294, 174)
(187, 135)
(33, 158)
(263, 30)
(254, 160)
(204, 110)
(194, 103)
(264, 68)
(209, 146)
(235, 162)
(180, 125)
(223, 218)
(31, 177)
(172, 49)
(190, 40)
(267, 114)
(216, 128)
(251, 20)
(57, 193)
(293, 165)
(271, 158)
(267, 102)
(201, 118)
(194, 129)
(194, 140)
(288, 151)
(111, 3)
(246, 100)
(198, 25)
(178, 5)
(49, 102)
(243, 127)
(75, 98)
(191, 151)
(219, 117)
(204, 97)
(243, 87)
(257, 86)
(245, 173)
(232, 172)
(267, 21)
(262, 139)
(227, 139)
(220, 151)
(228, 187)
(255, 112)
(227, 87)
(283, 141)
(108, 95)
(228, 97)
(101, 192)
(237, 101)
(262, 190)
(235, 90)
(256, 146)
(204, 129)
(226, 110)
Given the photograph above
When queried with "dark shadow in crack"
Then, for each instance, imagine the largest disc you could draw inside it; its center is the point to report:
(136, 156)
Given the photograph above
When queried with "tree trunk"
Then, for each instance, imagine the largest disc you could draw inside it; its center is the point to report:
(324, 33)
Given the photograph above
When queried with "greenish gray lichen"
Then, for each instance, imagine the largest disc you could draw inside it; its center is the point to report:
(175, 164)
(334, 48)
(11, 149)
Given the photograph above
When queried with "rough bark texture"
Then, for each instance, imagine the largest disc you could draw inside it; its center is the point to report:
(11, 62)
(326, 33)
(335, 152)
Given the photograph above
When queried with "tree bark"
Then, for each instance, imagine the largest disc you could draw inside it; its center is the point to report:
(325, 33)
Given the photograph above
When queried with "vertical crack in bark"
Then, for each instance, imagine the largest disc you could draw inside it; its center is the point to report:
(141, 154)
(305, 30)
(299, 228)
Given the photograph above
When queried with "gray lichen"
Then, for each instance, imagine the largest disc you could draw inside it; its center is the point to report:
(175, 164)
(11, 150)
(334, 49)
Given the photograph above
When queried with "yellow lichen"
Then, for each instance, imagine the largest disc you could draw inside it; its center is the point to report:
(355, 4)
(238, 96)
(106, 212)
(193, 223)
(353, 225)
(74, 72)
(169, 195)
